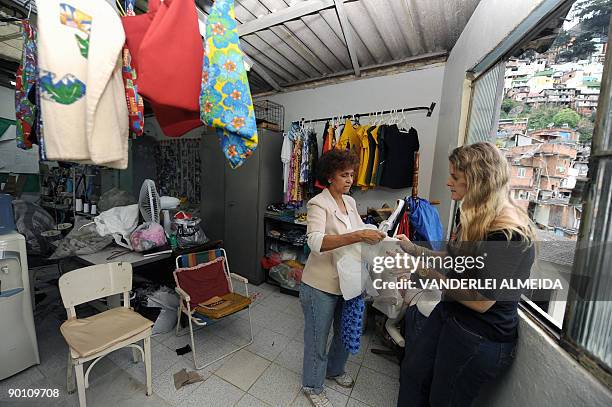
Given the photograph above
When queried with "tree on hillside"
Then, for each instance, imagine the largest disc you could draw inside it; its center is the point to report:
(566, 116)
(585, 128)
(542, 117)
(594, 15)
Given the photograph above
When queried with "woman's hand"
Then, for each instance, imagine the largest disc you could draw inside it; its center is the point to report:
(407, 246)
(370, 236)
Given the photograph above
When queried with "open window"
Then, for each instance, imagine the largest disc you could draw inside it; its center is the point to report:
(545, 102)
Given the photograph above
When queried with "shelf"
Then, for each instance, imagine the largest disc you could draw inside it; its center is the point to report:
(285, 241)
(268, 215)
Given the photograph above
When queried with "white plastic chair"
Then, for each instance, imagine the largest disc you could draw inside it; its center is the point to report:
(95, 337)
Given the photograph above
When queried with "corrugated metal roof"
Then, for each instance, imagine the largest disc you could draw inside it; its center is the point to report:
(385, 32)
(313, 47)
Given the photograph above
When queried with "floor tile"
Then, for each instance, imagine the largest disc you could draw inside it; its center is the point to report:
(338, 399)
(277, 386)
(292, 357)
(238, 331)
(243, 369)
(118, 389)
(163, 385)
(214, 392)
(350, 368)
(268, 344)
(21, 380)
(375, 389)
(382, 364)
(249, 401)
(355, 403)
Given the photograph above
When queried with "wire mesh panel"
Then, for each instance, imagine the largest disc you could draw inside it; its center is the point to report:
(269, 115)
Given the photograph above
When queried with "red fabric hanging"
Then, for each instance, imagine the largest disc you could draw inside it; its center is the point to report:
(170, 57)
(169, 76)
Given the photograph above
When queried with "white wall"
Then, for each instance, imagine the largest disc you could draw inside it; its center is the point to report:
(407, 89)
(13, 159)
(491, 22)
(544, 375)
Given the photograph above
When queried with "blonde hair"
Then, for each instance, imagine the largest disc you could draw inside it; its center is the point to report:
(487, 175)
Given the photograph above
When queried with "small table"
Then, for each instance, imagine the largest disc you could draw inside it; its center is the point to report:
(134, 258)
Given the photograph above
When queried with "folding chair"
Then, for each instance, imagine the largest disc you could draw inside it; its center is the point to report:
(200, 277)
(94, 337)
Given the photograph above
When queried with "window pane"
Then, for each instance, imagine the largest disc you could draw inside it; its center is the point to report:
(484, 109)
(590, 323)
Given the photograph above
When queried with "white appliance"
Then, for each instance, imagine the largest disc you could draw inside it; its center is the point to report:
(18, 346)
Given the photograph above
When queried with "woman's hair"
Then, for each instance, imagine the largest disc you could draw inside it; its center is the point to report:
(333, 161)
(487, 175)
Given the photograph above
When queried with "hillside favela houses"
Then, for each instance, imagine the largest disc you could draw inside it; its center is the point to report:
(545, 126)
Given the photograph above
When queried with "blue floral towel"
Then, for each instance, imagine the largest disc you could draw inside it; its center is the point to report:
(225, 98)
(352, 323)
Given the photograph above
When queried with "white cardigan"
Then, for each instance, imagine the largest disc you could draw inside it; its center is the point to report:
(84, 112)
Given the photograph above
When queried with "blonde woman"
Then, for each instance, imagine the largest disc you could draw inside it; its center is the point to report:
(470, 337)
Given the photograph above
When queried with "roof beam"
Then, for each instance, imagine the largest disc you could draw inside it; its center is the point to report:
(284, 15)
(259, 70)
(348, 35)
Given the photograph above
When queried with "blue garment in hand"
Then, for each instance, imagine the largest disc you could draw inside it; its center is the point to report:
(426, 222)
(352, 323)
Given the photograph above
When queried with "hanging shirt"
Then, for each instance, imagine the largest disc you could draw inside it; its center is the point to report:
(364, 156)
(371, 133)
(286, 150)
(399, 157)
(380, 151)
(81, 87)
(304, 168)
(327, 145)
(349, 140)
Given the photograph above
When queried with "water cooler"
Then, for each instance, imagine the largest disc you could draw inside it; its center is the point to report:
(18, 346)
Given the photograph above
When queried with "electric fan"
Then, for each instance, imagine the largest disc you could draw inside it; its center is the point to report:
(149, 201)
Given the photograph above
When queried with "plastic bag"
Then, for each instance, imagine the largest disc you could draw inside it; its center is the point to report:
(82, 239)
(147, 236)
(119, 222)
(189, 232)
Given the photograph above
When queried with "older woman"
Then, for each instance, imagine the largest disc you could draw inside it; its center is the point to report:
(332, 216)
(470, 337)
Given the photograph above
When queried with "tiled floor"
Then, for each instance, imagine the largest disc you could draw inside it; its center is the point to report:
(266, 373)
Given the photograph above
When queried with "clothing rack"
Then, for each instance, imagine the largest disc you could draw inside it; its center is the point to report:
(429, 110)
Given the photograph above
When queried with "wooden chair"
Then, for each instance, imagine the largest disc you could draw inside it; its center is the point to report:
(95, 337)
(198, 315)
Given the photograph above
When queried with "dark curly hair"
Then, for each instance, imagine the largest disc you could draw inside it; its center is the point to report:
(333, 161)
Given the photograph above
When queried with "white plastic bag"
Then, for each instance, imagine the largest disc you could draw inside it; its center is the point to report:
(119, 222)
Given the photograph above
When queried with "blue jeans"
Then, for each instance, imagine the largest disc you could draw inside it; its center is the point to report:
(414, 322)
(320, 309)
(449, 364)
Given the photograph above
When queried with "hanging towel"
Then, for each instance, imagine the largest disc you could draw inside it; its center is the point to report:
(135, 102)
(225, 99)
(81, 88)
(25, 80)
(352, 324)
(170, 56)
(174, 121)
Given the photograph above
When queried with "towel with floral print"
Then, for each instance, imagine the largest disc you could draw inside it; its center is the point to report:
(135, 102)
(25, 80)
(352, 323)
(225, 98)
